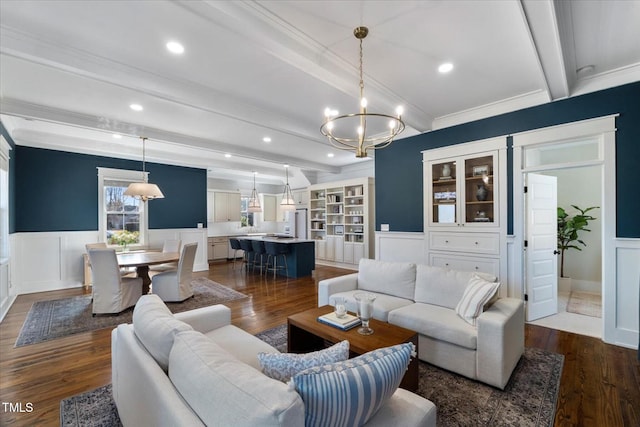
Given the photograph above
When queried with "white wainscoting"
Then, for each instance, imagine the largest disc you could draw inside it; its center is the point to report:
(621, 298)
(5, 282)
(50, 261)
(621, 302)
(397, 246)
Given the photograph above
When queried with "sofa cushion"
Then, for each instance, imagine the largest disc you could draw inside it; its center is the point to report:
(439, 323)
(283, 366)
(221, 390)
(381, 306)
(391, 278)
(241, 345)
(155, 327)
(442, 286)
(477, 293)
(349, 393)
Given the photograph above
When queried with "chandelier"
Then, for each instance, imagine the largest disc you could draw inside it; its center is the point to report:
(287, 203)
(254, 200)
(363, 130)
(143, 190)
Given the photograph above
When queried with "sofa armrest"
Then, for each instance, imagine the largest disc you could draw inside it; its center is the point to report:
(328, 287)
(206, 319)
(500, 341)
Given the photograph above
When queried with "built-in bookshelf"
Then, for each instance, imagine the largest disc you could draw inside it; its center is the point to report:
(341, 220)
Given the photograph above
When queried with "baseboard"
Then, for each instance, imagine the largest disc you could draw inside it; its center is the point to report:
(6, 305)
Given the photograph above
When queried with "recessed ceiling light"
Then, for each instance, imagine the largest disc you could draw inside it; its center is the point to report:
(330, 155)
(266, 139)
(175, 47)
(227, 155)
(446, 67)
(117, 136)
(136, 107)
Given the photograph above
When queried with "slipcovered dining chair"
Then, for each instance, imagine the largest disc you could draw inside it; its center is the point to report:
(102, 245)
(168, 246)
(175, 286)
(112, 293)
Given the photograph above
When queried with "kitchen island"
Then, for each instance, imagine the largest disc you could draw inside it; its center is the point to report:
(301, 259)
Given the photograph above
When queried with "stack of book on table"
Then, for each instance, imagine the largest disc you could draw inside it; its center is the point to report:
(345, 323)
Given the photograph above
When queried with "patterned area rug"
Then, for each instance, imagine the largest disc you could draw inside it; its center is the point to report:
(49, 320)
(585, 303)
(529, 399)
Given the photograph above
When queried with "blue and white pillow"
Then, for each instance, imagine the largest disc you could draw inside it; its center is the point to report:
(349, 393)
(283, 366)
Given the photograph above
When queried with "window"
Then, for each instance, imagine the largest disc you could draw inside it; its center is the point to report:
(122, 214)
(122, 219)
(246, 217)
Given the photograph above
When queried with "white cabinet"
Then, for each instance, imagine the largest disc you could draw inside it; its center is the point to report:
(342, 215)
(269, 208)
(465, 202)
(218, 248)
(321, 249)
(335, 248)
(226, 206)
(301, 198)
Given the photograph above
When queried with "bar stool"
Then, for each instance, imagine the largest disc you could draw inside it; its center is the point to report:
(274, 250)
(246, 246)
(235, 245)
(258, 249)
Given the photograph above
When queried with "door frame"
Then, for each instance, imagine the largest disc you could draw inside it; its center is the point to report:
(603, 128)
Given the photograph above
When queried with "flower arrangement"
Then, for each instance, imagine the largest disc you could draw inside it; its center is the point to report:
(124, 238)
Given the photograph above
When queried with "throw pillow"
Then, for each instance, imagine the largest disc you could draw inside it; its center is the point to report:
(283, 366)
(349, 393)
(477, 293)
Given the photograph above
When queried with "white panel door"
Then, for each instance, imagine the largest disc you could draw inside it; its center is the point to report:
(541, 265)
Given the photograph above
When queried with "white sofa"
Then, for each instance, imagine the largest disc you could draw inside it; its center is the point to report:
(423, 298)
(195, 368)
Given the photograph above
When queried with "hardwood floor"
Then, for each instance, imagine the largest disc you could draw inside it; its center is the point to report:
(600, 383)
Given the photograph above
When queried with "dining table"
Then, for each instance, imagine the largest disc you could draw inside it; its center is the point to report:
(141, 260)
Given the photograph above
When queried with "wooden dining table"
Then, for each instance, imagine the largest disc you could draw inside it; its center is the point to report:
(142, 260)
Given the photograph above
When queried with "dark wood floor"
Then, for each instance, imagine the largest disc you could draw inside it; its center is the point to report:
(600, 383)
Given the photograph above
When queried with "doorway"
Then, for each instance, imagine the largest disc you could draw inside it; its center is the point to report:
(581, 156)
(578, 297)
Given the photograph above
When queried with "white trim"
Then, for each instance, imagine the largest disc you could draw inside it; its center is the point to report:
(566, 131)
(612, 286)
(124, 175)
(469, 148)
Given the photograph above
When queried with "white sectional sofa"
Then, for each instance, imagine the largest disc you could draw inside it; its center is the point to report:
(195, 368)
(423, 298)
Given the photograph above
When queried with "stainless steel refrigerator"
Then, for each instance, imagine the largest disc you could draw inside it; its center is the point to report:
(296, 226)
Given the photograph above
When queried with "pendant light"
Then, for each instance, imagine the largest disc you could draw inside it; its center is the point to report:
(254, 201)
(287, 203)
(143, 190)
(363, 130)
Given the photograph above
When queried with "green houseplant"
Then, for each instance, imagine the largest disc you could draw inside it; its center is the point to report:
(569, 228)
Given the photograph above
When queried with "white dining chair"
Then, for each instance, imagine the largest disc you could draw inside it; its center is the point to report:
(102, 245)
(168, 246)
(175, 286)
(112, 293)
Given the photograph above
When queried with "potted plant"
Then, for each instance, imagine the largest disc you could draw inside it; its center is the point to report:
(569, 228)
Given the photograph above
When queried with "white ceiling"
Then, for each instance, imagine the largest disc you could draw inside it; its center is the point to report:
(70, 69)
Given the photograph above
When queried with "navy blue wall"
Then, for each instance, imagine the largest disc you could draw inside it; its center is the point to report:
(58, 191)
(398, 168)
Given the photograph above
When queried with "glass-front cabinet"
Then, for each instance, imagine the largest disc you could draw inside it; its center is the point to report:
(463, 190)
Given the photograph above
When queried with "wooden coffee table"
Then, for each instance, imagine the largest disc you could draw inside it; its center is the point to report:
(306, 334)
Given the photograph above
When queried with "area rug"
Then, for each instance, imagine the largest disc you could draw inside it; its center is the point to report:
(585, 303)
(529, 398)
(53, 319)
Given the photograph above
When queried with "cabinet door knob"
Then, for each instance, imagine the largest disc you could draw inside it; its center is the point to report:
(446, 241)
(476, 243)
(476, 267)
(446, 264)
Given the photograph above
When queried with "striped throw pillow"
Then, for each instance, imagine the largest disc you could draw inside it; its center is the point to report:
(477, 293)
(349, 393)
